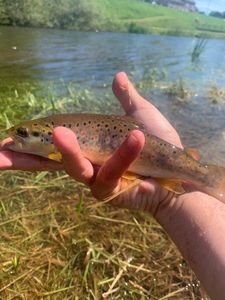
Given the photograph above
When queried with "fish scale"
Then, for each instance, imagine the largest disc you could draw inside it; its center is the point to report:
(100, 135)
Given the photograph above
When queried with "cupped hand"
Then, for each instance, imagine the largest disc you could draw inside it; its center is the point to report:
(107, 180)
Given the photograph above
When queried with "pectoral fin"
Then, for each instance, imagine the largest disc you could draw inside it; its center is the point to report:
(130, 176)
(57, 156)
(171, 185)
(130, 184)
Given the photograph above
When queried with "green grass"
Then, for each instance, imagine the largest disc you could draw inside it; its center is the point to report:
(50, 249)
(158, 19)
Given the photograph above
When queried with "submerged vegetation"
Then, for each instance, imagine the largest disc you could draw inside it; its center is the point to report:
(58, 243)
(36, 105)
(178, 92)
(105, 15)
(198, 49)
(216, 94)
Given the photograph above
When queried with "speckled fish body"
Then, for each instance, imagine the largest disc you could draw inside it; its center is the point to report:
(100, 135)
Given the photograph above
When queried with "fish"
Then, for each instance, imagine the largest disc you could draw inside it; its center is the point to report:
(101, 135)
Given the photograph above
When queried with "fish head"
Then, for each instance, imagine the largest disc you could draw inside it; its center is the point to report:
(31, 138)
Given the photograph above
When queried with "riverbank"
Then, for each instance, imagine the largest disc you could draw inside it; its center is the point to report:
(104, 15)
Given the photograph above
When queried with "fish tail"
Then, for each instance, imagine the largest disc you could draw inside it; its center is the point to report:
(215, 185)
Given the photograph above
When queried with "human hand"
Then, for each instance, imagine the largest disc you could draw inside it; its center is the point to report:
(108, 179)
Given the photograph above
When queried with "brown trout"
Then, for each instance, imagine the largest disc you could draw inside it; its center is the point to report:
(100, 135)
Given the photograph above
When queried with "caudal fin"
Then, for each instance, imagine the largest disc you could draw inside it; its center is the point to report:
(215, 185)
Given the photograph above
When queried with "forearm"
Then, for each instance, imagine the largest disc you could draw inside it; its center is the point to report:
(196, 223)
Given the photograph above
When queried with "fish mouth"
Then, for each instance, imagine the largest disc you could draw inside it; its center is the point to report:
(6, 143)
(13, 143)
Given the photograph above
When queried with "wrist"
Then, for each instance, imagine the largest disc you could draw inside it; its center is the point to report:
(196, 223)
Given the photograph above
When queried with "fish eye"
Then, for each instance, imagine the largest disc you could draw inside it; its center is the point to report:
(22, 131)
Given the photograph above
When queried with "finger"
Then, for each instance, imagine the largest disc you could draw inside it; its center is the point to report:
(127, 94)
(136, 106)
(75, 164)
(10, 160)
(110, 173)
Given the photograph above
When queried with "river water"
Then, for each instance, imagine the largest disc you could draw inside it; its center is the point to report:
(92, 59)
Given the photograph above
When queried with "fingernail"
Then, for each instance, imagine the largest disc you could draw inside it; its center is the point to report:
(136, 137)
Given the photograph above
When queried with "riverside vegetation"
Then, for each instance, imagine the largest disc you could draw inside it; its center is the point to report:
(59, 243)
(104, 15)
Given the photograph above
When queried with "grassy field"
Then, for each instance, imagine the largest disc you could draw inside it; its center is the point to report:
(136, 16)
(105, 15)
(58, 243)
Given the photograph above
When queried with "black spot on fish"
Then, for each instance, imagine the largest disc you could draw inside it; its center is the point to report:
(47, 139)
(49, 133)
(114, 127)
(70, 125)
(174, 152)
(84, 123)
(89, 122)
(121, 130)
(64, 125)
(42, 140)
(35, 133)
(106, 125)
(77, 124)
(47, 125)
(98, 125)
(53, 123)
